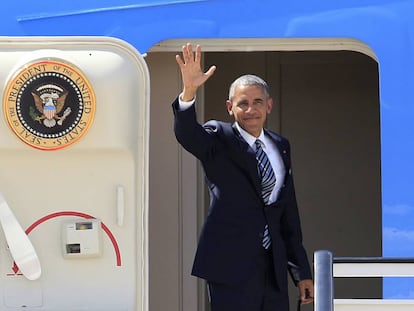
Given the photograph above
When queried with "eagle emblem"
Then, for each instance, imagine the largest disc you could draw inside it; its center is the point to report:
(49, 102)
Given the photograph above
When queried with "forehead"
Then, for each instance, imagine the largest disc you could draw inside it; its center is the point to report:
(248, 91)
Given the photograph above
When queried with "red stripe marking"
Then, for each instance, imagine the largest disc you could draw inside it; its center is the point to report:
(78, 214)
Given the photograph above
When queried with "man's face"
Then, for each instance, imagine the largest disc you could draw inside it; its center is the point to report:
(250, 108)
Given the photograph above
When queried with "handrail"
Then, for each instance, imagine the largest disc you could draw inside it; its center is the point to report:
(323, 266)
(373, 259)
(373, 267)
(326, 267)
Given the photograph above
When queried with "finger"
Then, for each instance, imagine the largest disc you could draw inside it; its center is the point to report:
(306, 300)
(190, 55)
(307, 296)
(211, 71)
(198, 54)
(190, 47)
(179, 60)
(186, 53)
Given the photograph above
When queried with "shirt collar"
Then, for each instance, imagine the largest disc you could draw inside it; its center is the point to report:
(250, 139)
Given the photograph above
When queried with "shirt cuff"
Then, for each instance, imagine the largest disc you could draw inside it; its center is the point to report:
(183, 105)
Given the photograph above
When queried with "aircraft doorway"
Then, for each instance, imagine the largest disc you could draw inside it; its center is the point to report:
(326, 103)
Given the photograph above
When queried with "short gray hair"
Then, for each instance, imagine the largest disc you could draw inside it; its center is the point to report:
(249, 80)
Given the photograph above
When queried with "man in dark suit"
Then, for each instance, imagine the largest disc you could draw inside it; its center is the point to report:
(245, 268)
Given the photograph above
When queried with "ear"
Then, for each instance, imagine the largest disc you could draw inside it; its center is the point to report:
(269, 105)
(229, 106)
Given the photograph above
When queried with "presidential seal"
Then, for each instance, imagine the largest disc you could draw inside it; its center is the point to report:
(49, 104)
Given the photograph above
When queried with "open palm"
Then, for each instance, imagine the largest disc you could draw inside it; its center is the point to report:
(192, 75)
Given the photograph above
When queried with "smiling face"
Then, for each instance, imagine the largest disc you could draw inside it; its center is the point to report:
(249, 106)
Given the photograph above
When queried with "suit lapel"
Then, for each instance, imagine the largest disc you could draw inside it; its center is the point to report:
(282, 147)
(244, 156)
(284, 151)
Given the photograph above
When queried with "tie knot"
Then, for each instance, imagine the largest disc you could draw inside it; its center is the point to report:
(258, 143)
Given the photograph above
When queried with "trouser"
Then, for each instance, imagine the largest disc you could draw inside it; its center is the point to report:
(258, 293)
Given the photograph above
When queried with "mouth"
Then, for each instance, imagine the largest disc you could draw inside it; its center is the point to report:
(251, 118)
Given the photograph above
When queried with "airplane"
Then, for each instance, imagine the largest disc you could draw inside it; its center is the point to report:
(89, 181)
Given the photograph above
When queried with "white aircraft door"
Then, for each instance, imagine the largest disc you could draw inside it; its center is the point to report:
(74, 173)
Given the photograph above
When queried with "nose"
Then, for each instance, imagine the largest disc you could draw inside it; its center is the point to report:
(250, 108)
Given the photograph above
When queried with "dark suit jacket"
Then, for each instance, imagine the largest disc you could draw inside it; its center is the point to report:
(231, 238)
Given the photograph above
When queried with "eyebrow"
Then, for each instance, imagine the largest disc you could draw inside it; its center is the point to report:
(242, 101)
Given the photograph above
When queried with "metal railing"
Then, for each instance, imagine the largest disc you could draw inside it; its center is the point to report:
(327, 267)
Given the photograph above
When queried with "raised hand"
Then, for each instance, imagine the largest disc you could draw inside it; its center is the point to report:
(191, 73)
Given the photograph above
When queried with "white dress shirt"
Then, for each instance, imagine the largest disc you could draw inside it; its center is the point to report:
(274, 157)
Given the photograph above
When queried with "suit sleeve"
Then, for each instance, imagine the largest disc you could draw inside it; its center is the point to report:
(194, 137)
(292, 233)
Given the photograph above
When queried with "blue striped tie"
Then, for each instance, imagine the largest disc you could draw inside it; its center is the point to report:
(268, 180)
